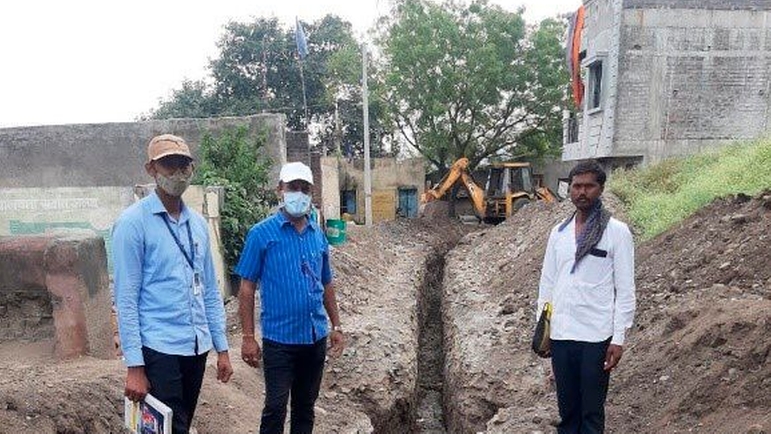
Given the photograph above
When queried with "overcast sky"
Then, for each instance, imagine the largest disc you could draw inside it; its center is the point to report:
(93, 61)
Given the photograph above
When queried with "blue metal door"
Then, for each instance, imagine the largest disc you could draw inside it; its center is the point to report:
(408, 202)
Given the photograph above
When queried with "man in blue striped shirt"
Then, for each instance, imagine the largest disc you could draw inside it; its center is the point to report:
(170, 312)
(288, 254)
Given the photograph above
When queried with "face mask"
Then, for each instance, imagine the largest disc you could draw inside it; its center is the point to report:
(175, 184)
(296, 203)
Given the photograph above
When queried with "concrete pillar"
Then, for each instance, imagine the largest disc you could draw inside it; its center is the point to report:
(57, 287)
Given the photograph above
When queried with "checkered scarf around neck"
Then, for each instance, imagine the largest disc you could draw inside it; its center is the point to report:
(593, 229)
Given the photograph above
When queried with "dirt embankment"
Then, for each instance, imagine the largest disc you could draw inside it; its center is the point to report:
(698, 358)
(380, 272)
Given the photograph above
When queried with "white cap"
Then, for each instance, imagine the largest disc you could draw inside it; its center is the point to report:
(294, 171)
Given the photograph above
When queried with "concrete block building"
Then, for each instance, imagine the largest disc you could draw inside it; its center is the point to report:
(666, 78)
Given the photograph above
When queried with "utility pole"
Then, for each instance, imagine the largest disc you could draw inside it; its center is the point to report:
(367, 169)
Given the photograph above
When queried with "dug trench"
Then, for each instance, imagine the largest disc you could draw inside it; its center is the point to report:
(698, 357)
(390, 290)
(429, 417)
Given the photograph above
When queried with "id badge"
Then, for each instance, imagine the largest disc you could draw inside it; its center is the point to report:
(197, 284)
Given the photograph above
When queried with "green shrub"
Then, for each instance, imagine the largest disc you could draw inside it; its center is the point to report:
(662, 195)
(237, 162)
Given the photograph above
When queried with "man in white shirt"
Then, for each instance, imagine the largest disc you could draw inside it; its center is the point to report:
(588, 277)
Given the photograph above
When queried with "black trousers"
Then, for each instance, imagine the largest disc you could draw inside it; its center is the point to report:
(175, 381)
(582, 385)
(295, 370)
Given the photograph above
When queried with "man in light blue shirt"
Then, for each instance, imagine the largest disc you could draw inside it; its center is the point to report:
(170, 312)
(288, 254)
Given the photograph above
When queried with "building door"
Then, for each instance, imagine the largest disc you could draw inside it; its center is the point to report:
(408, 202)
(348, 202)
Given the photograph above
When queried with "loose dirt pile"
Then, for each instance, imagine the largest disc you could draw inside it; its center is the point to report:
(696, 361)
(373, 386)
(700, 357)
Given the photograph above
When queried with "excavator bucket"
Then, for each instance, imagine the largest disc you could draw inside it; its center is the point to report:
(545, 195)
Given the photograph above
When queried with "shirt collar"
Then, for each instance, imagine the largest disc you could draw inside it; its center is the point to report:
(156, 207)
(283, 220)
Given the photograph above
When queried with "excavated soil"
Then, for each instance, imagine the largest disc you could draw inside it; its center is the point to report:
(438, 318)
(697, 359)
(381, 273)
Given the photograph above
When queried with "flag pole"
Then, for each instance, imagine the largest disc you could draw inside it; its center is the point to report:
(305, 100)
(302, 51)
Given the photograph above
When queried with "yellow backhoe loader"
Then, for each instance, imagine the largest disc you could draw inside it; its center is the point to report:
(508, 188)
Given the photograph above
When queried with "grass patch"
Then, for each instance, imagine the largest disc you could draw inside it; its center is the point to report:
(662, 195)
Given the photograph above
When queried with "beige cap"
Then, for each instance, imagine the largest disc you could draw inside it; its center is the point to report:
(165, 145)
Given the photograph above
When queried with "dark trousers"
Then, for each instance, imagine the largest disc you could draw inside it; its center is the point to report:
(175, 381)
(582, 385)
(295, 369)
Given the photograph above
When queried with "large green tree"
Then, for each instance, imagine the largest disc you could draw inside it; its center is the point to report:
(258, 70)
(473, 80)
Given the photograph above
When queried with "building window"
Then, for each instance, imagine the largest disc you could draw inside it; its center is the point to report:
(572, 129)
(595, 85)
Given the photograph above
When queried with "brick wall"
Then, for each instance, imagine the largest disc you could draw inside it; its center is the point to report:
(700, 4)
(691, 79)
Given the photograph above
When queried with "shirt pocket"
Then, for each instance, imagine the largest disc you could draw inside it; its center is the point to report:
(312, 267)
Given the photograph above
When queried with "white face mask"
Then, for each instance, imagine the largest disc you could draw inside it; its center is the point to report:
(296, 203)
(175, 184)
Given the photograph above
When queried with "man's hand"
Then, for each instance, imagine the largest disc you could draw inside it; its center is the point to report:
(137, 384)
(613, 356)
(224, 368)
(251, 352)
(337, 343)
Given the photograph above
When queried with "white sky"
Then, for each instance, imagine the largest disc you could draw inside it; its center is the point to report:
(93, 61)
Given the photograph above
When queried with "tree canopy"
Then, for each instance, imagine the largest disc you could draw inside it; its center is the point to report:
(258, 70)
(473, 81)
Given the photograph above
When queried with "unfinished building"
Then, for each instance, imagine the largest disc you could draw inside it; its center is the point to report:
(663, 78)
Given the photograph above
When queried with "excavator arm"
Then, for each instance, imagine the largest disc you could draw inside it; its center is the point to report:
(476, 193)
(458, 173)
(457, 168)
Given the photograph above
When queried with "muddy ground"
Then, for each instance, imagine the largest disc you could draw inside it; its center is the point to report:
(438, 318)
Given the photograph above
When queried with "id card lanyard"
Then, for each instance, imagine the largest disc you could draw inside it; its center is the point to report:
(190, 259)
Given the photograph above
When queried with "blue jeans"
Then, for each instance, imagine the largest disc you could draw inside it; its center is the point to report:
(295, 369)
(176, 382)
(582, 385)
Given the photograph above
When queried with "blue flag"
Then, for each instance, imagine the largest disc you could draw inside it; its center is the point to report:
(299, 38)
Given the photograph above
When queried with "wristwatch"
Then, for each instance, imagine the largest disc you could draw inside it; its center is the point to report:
(337, 328)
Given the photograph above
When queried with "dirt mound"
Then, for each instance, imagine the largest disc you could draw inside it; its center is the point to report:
(38, 395)
(697, 358)
(726, 242)
(372, 387)
(700, 356)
